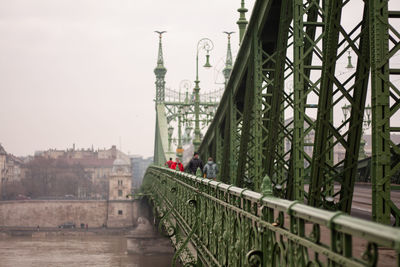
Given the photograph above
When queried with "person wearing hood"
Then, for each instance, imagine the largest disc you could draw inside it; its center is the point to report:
(210, 170)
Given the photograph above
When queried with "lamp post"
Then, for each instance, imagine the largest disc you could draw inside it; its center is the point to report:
(179, 149)
(365, 126)
(170, 132)
(207, 45)
(349, 64)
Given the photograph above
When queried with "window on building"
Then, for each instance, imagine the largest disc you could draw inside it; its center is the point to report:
(120, 193)
(119, 212)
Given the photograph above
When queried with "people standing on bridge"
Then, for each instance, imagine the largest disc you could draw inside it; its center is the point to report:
(177, 165)
(195, 163)
(169, 163)
(210, 170)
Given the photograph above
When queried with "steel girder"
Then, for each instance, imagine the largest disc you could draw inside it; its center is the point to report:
(265, 128)
(279, 100)
(384, 43)
(333, 92)
(306, 77)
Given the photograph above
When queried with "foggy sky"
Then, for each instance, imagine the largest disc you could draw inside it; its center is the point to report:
(82, 71)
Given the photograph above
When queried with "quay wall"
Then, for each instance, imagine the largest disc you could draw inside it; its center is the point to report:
(52, 213)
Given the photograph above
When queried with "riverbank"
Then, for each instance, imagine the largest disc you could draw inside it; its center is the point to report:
(6, 232)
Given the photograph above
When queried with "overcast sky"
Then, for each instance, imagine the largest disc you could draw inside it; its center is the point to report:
(81, 71)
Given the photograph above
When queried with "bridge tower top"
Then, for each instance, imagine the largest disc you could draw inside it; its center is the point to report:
(160, 71)
(242, 22)
(228, 62)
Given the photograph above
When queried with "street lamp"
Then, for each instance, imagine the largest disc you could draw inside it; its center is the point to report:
(365, 126)
(346, 110)
(170, 132)
(349, 65)
(185, 84)
(207, 45)
(179, 149)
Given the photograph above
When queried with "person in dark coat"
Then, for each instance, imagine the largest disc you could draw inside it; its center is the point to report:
(195, 163)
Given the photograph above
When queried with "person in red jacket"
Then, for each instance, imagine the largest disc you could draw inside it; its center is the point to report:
(169, 163)
(177, 163)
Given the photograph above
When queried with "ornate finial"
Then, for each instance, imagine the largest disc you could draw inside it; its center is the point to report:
(228, 62)
(266, 186)
(242, 22)
(160, 33)
(160, 59)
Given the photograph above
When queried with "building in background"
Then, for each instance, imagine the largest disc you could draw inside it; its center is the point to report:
(76, 154)
(11, 171)
(119, 206)
(55, 173)
(139, 166)
(340, 152)
(120, 180)
(97, 164)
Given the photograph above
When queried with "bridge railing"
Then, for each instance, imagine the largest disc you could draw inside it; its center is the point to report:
(231, 226)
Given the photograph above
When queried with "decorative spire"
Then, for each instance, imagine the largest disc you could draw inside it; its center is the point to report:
(160, 59)
(160, 71)
(242, 22)
(228, 62)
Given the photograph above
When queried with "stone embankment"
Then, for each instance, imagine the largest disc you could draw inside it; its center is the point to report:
(6, 232)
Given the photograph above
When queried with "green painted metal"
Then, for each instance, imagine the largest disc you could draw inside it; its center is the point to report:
(385, 106)
(320, 88)
(322, 164)
(307, 19)
(180, 108)
(218, 224)
(228, 61)
(242, 22)
(206, 45)
(160, 71)
(161, 153)
(275, 159)
(280, 114)
(356, 118)
(276, 128)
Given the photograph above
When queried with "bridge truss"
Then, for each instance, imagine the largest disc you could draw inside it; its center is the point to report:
(281, 111)
(279, 122)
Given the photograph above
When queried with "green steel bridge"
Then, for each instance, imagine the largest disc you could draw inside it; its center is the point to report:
(281, 198)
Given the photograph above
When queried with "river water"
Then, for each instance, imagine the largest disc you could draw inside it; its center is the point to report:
(85, 250)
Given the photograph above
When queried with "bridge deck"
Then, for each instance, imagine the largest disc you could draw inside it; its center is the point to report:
(362, 200)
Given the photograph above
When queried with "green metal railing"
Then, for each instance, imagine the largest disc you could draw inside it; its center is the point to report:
(217, 224)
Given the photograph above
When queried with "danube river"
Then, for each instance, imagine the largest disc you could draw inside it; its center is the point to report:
(84, 250)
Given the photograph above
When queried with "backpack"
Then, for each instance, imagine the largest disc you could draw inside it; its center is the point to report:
(211, 170)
